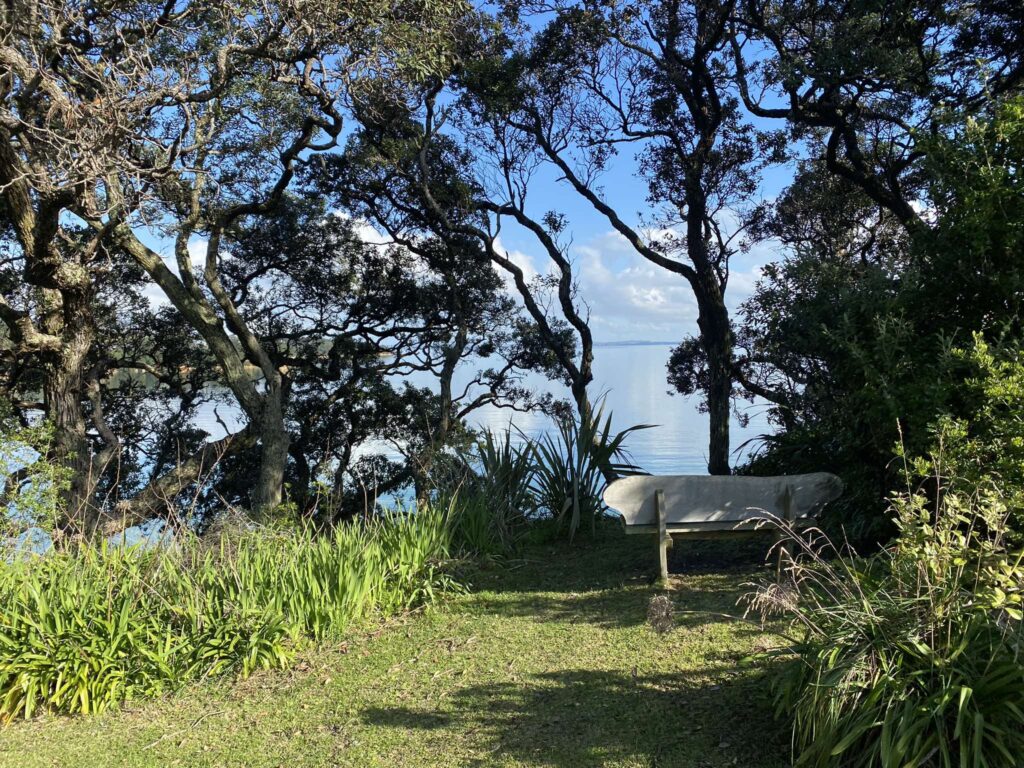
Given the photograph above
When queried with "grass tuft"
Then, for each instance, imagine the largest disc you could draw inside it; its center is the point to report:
(87, 629)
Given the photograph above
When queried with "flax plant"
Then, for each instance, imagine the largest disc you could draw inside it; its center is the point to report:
(574, 464)
(492, 506)
(88, 628)
(911, 657)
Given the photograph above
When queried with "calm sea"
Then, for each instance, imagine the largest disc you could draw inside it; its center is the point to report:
(632, 379)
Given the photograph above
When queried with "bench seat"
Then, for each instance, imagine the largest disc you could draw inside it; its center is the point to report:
(703, 506)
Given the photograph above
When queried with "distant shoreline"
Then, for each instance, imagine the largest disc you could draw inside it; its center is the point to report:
(636, 343)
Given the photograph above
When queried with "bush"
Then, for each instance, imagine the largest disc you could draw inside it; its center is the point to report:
(913, 656)
(34, 486)
(86, 629)
(547, 488)
(849, 336)
(491, 507)
(984, 449)
(573, 466)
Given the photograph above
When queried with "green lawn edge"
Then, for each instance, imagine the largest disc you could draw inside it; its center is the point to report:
(546, 660)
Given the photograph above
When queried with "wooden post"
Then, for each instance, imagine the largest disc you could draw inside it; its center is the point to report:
(780, 536)
(664, 540)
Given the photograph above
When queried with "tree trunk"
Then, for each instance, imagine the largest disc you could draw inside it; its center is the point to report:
(586, 411)
(716, 338)
(301, 491)
(268, 494)
(265, 410)
(424, 463)
(719, 397)
(715, 329)
(63, 293)
(62, 397)
(67, 314)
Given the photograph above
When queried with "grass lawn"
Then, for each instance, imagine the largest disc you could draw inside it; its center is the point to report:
(547, 662)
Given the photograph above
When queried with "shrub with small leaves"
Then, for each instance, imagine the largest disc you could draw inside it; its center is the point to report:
(912, 657)
(34, 485)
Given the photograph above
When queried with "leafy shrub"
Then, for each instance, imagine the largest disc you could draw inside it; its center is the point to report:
(849, 336)
(83, 630)
(984, 448)
(573, 465)
(913, 656)
(544, 488)
(34, 487)
(490, 508)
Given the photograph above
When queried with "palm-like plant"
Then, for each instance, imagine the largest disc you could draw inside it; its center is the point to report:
(575, 463)
(490, 509)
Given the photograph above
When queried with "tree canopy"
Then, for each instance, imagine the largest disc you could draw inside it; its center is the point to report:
(288, 208)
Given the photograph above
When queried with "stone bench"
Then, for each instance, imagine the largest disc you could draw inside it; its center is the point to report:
(703, 506)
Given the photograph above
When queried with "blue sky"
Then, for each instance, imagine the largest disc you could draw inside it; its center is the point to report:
(629, 298)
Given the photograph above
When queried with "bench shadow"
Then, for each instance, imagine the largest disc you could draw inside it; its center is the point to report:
(707, 603)
(613, 561)
(590, 718)
(609, 583)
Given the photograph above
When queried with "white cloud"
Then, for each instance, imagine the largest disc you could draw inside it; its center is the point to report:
(630, 298)
(196, 250)
(365, 231)
(520, 259)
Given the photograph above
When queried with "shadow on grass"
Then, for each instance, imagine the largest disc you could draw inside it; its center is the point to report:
(612, 559)
(608, 581)
(585, 717)
(706, 604)
(745, 554)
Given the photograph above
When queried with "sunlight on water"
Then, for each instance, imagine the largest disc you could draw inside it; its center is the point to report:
(633, 379)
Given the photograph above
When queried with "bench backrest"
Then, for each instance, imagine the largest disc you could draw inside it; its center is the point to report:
(725, 498)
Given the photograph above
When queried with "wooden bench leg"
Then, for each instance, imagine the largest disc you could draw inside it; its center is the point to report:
(783, 554)
(664, 539)
(781, 543)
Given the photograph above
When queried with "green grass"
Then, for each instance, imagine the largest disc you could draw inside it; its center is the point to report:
(90, 628)
(548, 662)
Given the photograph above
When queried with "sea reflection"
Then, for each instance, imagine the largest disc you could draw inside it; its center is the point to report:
(632, 378)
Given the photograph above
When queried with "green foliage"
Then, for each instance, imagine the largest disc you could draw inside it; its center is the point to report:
(982, 449)
(971, 272)
(853, 337)
(573, 465)
(84, 630)
(911, 657)
(34, 486)
(538, 489)
(490, 509)
(538, 666)
(870, 378)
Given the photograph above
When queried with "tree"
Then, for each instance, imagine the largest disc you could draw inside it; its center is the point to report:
(125, 117)
(420, 185)
(654, 77)
(865, 83)
(857, 332)
(849, 337)
(345, 319)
